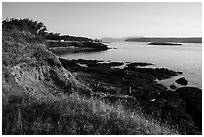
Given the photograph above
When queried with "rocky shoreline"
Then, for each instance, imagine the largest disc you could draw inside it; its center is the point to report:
(134, 85)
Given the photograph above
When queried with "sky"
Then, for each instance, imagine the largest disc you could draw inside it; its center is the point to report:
(121, 19)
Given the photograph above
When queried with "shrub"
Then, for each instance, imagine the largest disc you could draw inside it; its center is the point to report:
(35, 27)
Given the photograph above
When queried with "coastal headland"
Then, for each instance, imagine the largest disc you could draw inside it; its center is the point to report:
(44, 94)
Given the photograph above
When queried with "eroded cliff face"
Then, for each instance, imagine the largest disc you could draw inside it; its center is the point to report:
(31, 71)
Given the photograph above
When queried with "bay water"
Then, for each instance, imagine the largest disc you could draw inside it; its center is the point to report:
(186, 58)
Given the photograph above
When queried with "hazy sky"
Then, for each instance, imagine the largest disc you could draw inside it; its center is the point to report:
(96, 20)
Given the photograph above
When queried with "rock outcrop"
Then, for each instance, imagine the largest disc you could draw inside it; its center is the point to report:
(182, 81)
(172, 86)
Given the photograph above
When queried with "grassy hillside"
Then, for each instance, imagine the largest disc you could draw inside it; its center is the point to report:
(41, 97)
(76, 114)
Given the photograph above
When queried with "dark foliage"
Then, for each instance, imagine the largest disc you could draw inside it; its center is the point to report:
(34, 27)
(56, 36)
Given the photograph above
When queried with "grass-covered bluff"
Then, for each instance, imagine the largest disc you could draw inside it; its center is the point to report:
(40, 96)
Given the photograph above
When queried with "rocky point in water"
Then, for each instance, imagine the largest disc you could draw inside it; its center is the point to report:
(182, 81)
(172, 86)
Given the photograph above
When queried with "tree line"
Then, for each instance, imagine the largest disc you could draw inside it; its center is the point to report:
(57, 36)
(37, 27)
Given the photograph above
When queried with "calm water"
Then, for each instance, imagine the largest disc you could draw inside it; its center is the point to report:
(186, 58)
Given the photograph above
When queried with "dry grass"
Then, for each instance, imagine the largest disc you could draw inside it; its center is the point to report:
(78, 115)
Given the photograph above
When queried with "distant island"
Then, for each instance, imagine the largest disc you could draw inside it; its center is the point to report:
(163, 43)
(170, 39)
(109, 39)
(153, 39)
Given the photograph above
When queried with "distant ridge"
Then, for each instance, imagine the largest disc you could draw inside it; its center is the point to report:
(168, 39)
(112, 39)
(109, 39)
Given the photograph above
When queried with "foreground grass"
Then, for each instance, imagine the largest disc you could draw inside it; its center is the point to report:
(78, 115)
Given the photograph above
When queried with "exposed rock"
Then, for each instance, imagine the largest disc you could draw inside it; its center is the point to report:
(182, 81)
(53, 61)
(11, 91)
(179, 72)
(136, 64)
(160, 73)
(31, 70)
(173, 86)
(113, 64)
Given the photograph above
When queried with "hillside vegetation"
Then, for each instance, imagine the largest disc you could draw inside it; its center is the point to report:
(41, 97)
(57, 36)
